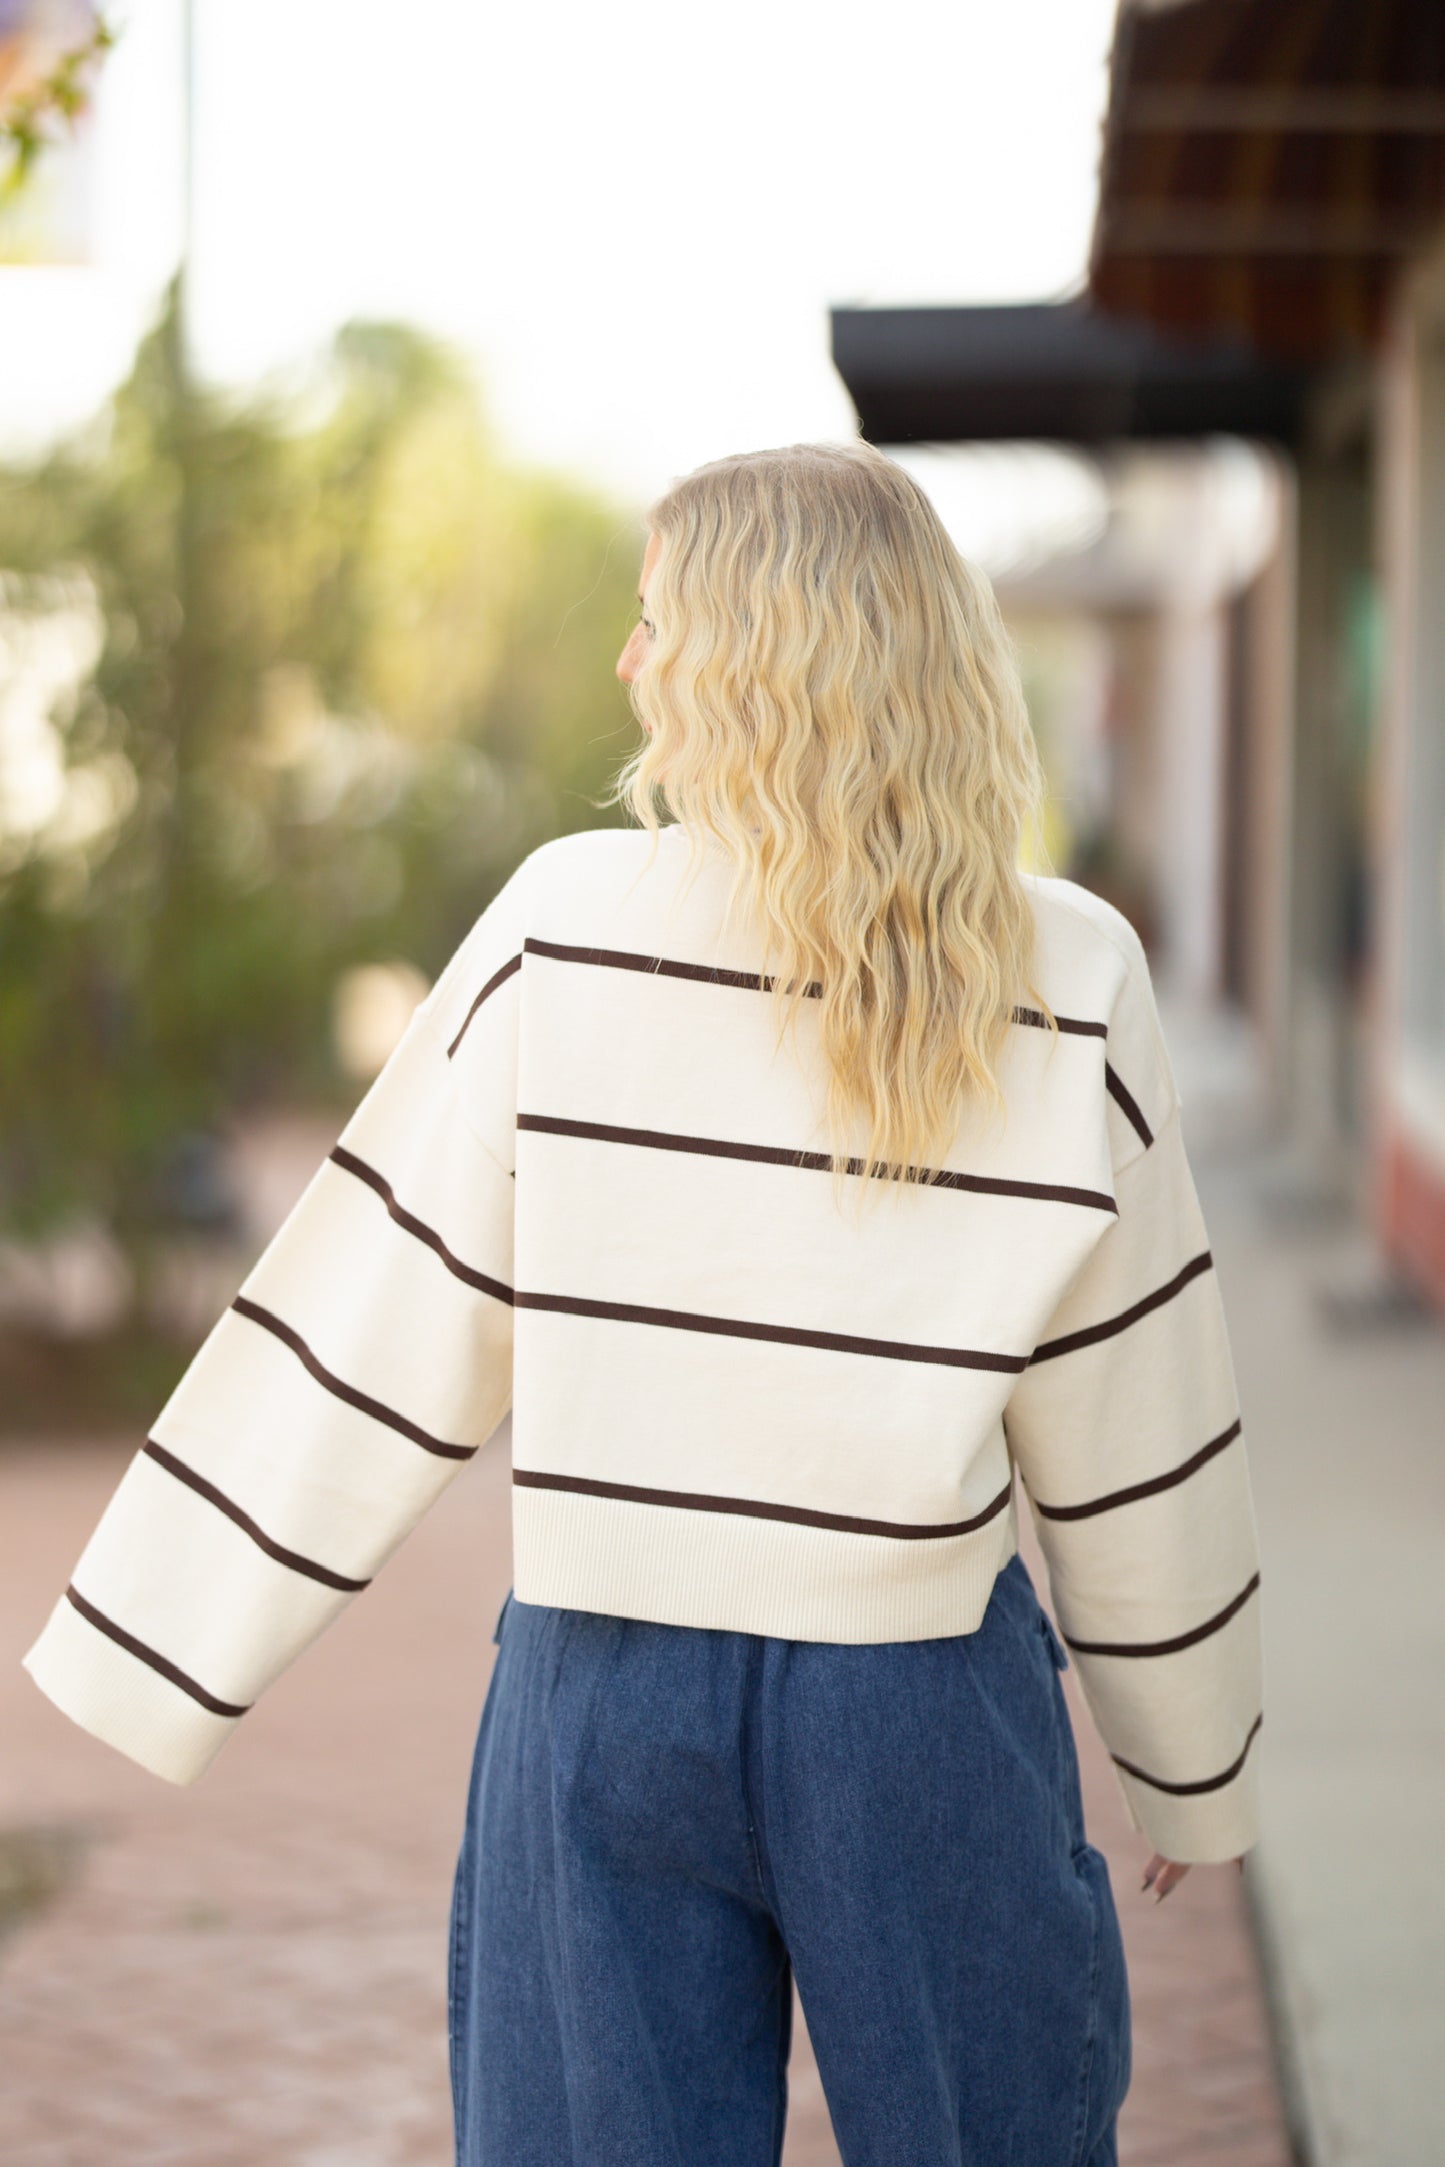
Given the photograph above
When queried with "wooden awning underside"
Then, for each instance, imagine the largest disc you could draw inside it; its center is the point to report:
(1268, 165)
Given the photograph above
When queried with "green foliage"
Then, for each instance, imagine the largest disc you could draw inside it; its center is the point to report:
(28, 122)
(333, 668)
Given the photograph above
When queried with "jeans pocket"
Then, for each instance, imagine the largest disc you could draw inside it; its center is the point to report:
(458, 1982)
(1055, 1646)
(1108, 2059)
(1064, 1757)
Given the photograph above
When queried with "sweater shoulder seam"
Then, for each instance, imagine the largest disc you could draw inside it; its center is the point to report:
(428, 1025)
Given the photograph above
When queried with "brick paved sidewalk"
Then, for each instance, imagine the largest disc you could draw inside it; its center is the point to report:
(251, 1972)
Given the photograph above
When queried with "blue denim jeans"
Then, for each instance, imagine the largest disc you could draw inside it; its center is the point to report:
(666, 1823)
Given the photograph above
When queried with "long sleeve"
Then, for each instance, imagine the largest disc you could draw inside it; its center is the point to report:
(1127, 1433)
(366, 1357)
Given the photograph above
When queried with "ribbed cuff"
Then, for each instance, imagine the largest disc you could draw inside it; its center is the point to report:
(1199, 1830)
(122, 1701)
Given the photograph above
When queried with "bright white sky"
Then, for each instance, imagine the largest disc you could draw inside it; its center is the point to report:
(634, 219)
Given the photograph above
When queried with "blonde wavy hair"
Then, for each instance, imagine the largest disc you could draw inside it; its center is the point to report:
(831, 694)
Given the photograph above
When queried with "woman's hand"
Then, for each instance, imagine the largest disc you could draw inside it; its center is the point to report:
(1168, 1873)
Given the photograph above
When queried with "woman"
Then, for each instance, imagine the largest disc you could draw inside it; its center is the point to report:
(796, 1173)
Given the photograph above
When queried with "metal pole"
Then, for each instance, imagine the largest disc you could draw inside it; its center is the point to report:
(188, 181)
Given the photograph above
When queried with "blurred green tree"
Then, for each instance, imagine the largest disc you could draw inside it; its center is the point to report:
(310, 676)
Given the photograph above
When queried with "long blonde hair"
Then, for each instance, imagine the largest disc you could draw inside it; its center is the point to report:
(832, 695)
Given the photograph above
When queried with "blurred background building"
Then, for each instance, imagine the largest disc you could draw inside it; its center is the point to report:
(1267, 264)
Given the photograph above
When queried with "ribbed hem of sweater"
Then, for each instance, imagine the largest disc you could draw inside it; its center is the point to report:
(735, 1573)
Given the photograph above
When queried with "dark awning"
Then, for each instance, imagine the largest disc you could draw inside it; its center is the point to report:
(1052, 371)
(1269, 166)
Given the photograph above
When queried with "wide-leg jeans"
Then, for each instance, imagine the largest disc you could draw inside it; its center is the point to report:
(666, 1824)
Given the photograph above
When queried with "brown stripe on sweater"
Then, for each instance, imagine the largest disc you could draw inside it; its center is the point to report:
(1180, 1640)
(624, 959)
(368, 1406)
(682, 1320)
(418, 1227)
(243, 1520)
(1205, 1783)
(498, 978)
(160, 1663)
(757, 1509)
(1128, 1102)
(1094, 1332)
(714, 974)
(808, 1161)
(1077, 1026)
(1151, 1488)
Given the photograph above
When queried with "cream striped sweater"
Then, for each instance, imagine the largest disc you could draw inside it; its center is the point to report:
(587, 1188)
